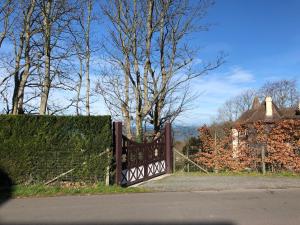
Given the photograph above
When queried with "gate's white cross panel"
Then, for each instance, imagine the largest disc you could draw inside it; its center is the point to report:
(138, 173)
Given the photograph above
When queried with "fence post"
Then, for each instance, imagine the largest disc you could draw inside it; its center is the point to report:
(117, 126)
(107, 177)
(169, 147)
(263, 156)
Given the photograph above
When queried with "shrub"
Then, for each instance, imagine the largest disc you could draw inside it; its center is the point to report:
(280, 141)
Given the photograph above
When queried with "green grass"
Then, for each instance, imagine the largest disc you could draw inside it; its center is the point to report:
(229, 173)
(40, 190)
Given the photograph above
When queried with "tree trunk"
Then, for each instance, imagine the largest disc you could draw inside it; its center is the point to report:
(88, 54)
(47, 80)
(125, 108)
(79, 88)
(15, 93)
(87, 76)
(147, 67)
(25, 73)
(47, 50)
(161, 93)
(16, 75)
(137, 89)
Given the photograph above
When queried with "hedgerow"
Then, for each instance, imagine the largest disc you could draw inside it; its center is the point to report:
(35, 149)
(280, 141)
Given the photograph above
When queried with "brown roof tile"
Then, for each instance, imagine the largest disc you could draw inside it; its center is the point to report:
(258, 113)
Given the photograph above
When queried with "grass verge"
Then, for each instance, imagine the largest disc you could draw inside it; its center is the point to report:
(40, 190)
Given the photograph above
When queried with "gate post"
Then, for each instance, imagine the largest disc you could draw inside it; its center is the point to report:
(169, 147)
(117, 126)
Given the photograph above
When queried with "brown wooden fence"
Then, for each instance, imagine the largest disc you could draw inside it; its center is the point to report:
(138, 162)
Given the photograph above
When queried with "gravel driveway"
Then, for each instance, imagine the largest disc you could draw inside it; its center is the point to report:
(217, 183)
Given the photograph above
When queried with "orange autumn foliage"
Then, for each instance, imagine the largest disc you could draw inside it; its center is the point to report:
(280, 141)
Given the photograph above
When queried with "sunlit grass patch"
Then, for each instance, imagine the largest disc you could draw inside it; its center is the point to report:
(40, 190)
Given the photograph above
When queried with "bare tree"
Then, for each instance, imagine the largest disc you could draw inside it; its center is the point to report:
(144, 88)
(88, 54)
(177, 19)
(283, 92)
(80, 31)
(55, 17)
(6, 10)
(233, 108)
(228, 111)
(21, 72)
(47, 14)
(43, 55)
(29, 32)
(116, 87)
(77, 32)
(245, 100)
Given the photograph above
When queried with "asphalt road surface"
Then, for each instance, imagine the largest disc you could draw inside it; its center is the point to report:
(234, 207)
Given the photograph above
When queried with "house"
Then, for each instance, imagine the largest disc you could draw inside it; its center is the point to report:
(244, 132)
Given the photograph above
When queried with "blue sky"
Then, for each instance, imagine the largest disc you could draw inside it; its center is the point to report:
(262, 40)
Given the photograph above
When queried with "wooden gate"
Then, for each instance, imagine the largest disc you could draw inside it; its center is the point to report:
(138, 162)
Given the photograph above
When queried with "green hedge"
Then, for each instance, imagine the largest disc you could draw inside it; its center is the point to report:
(35, 149)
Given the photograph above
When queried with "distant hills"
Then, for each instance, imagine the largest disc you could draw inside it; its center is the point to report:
(181, 133)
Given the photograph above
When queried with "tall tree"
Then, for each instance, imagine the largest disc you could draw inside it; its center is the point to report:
(21, 74)
(80, 31)
(88, 54)
(56, 15)
(142, 32)
(47, 15)
(43, 56)
(29, 32)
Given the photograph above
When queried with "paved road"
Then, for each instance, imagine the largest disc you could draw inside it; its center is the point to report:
(243, 207)
(208, 183)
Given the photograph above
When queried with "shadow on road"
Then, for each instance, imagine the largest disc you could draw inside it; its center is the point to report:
(128, 223)
(5, 187)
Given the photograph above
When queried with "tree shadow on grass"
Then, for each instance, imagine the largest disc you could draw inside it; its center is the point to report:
(5, 186)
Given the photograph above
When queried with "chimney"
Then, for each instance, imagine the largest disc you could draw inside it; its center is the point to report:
(298, 110)
(269, 108)
(256, 103)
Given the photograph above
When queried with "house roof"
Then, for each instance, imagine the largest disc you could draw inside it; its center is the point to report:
(258, 112)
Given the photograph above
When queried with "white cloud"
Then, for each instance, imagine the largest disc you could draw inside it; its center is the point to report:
(216, 89)
(239, 75)
(197, 61)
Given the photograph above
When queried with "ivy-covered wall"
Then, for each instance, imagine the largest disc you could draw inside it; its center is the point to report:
(35, 149)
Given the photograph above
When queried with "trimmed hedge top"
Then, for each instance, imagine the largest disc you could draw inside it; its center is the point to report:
(39, 148)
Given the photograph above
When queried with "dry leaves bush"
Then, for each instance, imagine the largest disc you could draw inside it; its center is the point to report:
(280, 141)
